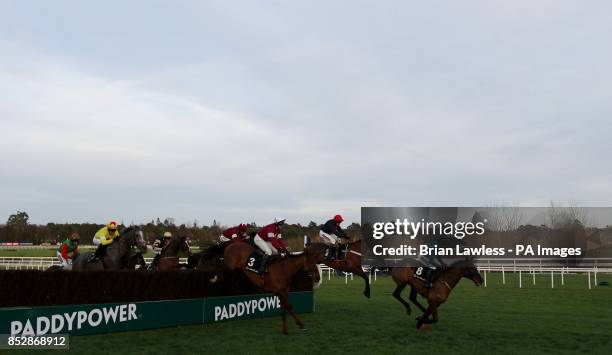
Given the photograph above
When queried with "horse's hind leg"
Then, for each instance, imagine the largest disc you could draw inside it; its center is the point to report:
(413, 299)
(398, 296)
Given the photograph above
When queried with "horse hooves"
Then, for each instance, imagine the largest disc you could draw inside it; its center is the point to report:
(424, 320)
(366, 293)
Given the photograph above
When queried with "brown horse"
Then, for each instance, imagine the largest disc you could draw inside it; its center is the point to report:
(438, 293)
(279, 275)
(169, 256)
(352, 263)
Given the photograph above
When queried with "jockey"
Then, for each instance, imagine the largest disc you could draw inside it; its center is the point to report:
(270, 241)
(158, 246)
(103, 238)
(330, 234)
(237, 232)
(68, 250)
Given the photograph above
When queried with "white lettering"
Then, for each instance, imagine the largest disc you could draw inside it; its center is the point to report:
(39, 325)
(57, 323)
(16, 327)
(92, 322)
(110, 314)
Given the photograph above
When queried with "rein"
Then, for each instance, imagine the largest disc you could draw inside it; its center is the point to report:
(447, 285)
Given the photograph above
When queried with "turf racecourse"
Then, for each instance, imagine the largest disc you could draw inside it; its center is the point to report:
(495, 319)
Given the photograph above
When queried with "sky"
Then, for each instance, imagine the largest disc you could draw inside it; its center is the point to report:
(240, 111)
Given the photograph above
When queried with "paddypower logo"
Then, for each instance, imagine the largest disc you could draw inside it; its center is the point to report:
(66, 322)
(246, 308)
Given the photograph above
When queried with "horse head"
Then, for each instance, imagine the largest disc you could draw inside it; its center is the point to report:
(134, 236)
(314, 254)
(469, 271)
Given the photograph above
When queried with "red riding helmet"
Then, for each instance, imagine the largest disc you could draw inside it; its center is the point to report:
(338, 218)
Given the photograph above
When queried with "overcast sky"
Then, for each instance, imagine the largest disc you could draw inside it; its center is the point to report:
(244, 111)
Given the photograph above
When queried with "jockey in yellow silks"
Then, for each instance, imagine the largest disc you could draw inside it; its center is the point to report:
(103, 238)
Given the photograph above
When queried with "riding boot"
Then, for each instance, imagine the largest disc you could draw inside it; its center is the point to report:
(99, 254)
(331, 253)
(262, 264)
(340, 252)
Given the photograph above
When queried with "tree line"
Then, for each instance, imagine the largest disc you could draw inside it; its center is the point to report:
(19, 229)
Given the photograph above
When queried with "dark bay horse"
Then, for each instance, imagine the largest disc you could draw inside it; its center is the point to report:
(117, 253)
(352, 263)
(169, 256)
(136, 259)
(207, 260)
(279, 275)
(438, 293)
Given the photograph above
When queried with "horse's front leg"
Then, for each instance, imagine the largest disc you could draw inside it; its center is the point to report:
(220, 270)
(359, 271)
(423, 319)
(284, 298)
(283, 304)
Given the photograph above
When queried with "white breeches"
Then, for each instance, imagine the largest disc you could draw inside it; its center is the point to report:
(96, 241)
(265, 246)
(329, 239)
(66, 263)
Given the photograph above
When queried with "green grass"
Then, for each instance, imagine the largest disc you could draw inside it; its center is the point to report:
(495, 319)
(27, 252)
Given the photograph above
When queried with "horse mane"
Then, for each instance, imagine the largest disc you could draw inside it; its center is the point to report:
(463, 263)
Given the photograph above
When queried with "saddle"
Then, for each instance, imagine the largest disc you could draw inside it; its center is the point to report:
(336, 252)
(258, 262)
(254, 263)
(426, 275)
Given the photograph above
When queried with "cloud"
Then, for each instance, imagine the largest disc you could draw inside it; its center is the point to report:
(236, 113)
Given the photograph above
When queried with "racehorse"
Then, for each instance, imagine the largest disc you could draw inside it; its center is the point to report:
(169, 259)
(352, 263)
(438, 293)
(117, 253)
(280, 272)
(136, 259)
(208, 259)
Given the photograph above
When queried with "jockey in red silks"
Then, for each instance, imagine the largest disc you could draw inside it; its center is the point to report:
(234, 233)
(270, 241)
(269, 238)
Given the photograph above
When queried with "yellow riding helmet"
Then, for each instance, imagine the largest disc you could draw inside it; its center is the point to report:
(167, 235)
